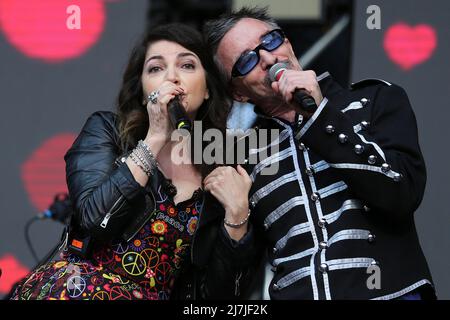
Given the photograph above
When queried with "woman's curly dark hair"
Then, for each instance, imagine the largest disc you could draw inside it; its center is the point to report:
(133, 115)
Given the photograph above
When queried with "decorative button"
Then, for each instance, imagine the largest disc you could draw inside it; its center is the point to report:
(301, 146)
(374, 263)
(266, 226)
(245, 161)
(372, 159)
(398, 177)
(323, 245)
(323, 268)
(315, 196)
(365, 124)
(366, 209)
(385, 167)
(123, 159)
(364, 101)
(252, 203)
(322, 223)
(329, 129)
(359, 149)
(342, 138)
(371, 238)
(274, 250)
(310, 171)
(276, 287)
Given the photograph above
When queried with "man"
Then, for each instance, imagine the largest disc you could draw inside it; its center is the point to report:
(338, 214)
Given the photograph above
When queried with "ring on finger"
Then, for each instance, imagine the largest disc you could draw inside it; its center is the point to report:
(153, 97)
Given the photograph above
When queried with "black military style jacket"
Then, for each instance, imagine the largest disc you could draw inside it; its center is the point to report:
(109, 204)
(338, 215)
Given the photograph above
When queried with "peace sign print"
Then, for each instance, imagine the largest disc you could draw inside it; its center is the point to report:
(117, 293)
(100, 295)
(120, 247)
(75, 286)
(134, 263)
(151, 256)
(163, 272)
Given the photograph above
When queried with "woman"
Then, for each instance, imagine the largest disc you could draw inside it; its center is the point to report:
(137, 207)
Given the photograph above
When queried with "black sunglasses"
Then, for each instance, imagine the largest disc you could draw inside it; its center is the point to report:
(248, 60)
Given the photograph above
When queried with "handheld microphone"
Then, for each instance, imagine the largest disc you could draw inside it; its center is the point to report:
(177, 114)
(303, 99)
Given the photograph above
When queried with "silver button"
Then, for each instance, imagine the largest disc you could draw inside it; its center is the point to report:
(266, 226)
(301, 146)
(322, 223)
(310, 171)
(398, 177)
(372, 159)
(276, 287)
(315, 196)
(365, 124)
(274, 250)
(364, 101)
(245, 161)
(385, 167)
(366, 209)
(371, 238)
(329, 129)
(359, 149)
(252, 203)
(342, 138)
(323, 245)
(123, 159)
(374, 263)
(323, 268)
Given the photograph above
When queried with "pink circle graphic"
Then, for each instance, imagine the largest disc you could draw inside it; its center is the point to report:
(48, 29)
(44, 173)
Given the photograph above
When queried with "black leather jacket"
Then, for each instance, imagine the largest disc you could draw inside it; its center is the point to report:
(110, 204)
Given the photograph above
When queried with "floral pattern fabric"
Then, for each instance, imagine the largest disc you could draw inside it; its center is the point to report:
(146, 267)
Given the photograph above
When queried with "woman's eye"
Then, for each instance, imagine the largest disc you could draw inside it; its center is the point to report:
(188, 66)
(154, 69)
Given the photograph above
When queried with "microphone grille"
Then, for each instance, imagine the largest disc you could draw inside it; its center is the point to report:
(277, 67)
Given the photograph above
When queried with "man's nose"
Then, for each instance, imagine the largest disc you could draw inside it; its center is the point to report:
(267, 59)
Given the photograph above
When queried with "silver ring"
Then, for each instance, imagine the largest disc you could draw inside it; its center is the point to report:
(153, 96)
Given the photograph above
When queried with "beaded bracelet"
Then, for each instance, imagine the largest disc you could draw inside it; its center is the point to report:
(140, 164)
(239, 224)
(148, 153)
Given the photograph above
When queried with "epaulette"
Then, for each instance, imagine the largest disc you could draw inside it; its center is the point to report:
(368, 82)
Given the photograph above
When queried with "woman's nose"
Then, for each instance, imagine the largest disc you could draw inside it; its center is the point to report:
(172, 75)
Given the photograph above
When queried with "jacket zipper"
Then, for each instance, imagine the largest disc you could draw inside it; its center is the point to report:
(146, 219)
(110, 213)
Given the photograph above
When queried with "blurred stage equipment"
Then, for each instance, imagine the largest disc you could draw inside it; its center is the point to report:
(287, 9)
(60, 210)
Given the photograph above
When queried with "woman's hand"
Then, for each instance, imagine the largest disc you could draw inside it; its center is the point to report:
(160, 127)
(231, 188)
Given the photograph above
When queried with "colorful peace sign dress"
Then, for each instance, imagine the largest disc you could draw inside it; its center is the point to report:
(146, 267)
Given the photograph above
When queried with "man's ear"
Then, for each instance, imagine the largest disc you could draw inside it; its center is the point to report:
(239, 96)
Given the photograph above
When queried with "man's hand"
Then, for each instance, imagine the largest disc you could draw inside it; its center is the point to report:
(295, 79)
